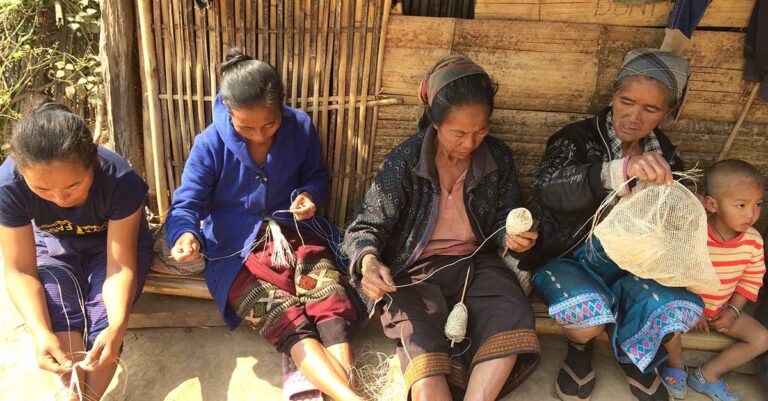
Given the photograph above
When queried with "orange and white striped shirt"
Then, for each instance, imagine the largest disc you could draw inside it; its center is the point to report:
(740, 265)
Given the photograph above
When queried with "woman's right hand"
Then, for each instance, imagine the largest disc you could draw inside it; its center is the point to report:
(186, 249)
(650, 167)
(51, 355)
(377, 278)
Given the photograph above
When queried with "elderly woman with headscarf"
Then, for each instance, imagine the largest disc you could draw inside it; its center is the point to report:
(586, 291)
(426, 237)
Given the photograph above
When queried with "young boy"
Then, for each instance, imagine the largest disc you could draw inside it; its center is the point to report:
(734, 195)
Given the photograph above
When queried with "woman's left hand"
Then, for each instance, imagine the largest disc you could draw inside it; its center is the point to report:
(521, 242)
(106, 349)
(303, 207)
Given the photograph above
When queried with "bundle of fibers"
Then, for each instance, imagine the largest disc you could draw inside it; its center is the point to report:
(377, 376)
(659, 232)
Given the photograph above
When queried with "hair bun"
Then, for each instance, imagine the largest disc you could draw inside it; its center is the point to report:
(234, 56)
(41, 103)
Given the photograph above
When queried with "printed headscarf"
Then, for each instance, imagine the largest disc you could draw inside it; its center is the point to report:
(670, 69)
(445, 71)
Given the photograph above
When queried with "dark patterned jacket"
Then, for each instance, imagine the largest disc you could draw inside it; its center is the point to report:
(567, 186)
(399, 212)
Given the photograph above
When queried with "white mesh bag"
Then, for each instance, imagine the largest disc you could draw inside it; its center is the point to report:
(659, 232)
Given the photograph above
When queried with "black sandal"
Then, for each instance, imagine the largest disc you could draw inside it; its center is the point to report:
(568, 385)
(654, 391)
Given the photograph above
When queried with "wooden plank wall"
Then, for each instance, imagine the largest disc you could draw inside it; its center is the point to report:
(721, 13)
(551, 74)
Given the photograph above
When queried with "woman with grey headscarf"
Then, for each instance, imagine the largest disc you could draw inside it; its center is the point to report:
(588, 293)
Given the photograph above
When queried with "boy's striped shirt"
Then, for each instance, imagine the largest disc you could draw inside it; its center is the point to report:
(740, 265)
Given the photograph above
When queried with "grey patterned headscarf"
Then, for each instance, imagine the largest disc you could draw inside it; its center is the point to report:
(670, 69)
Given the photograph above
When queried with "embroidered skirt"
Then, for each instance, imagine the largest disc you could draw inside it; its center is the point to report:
(288, 304)
(501, 321)
(587, 289)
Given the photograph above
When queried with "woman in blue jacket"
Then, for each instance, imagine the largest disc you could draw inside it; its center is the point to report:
(258, 160)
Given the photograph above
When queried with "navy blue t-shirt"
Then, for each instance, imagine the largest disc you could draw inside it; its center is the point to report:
(116, 193)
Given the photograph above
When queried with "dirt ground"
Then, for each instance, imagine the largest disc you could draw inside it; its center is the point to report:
(215, 364)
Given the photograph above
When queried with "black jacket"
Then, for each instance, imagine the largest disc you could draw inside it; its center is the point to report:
(567, 188)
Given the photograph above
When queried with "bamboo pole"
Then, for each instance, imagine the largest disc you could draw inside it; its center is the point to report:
(298, 34)
(293, 70)
(169, 39)
(227, 36)
(190, 73)
(250, 31)
(164, 115)
(305, 71)
(377, 90)
(181, 68)
(309, 71)
(363, 145)
(326, 88)
(213, 44)
(739, 122)
(290, 66)
(357, 44)
(261, 29)
(200, 56)
(340, 86)
(280, 61)
(319, 65)
(149, 69)
(359, 105)
(238, 25)
(151, 175)
(270, 39)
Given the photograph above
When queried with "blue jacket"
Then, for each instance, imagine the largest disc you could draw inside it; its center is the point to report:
(225, 189)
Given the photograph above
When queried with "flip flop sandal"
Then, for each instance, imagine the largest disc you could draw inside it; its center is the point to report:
(676, 381)
(296, 386)
(717, 391)
(584, 385)
(656, 392)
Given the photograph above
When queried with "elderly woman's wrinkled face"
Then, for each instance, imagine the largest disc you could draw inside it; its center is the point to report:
(638, 107)
(463, 130)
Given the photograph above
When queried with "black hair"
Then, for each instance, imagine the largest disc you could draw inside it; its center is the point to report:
(51, 132)
(672, 100)
(246, 81)
(726, 171)
(472, 89)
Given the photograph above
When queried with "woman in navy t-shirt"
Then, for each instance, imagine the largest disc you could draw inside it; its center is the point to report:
(75, 243)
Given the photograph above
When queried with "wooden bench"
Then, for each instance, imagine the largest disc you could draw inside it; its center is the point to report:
(195, 287)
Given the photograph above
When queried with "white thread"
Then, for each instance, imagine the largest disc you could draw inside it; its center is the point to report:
(74, 381)
(282, 254)
(452, 263)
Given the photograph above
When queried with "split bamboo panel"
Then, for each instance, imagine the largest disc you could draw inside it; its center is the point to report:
(721, 13)
(327, 52)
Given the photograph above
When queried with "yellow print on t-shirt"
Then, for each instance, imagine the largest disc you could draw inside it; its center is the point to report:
(56, 227)
(66, 226)
(91, 229)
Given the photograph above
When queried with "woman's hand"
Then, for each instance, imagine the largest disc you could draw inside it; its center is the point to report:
(51, 355)
(106, 349)
(377, 278)
(650, 167)
(702, 325)
(186, 249)
(521, 242)
(303, 207)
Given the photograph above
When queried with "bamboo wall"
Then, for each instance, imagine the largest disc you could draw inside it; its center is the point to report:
(554, 73)
(327, 52)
